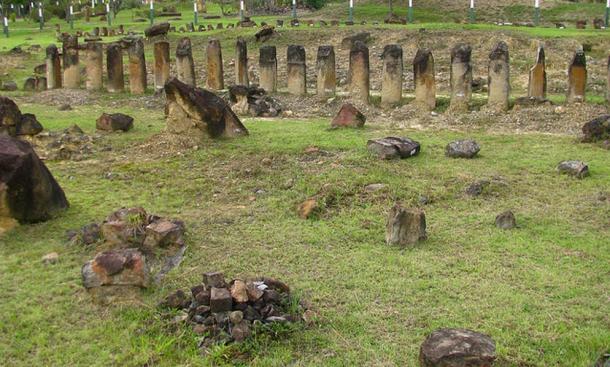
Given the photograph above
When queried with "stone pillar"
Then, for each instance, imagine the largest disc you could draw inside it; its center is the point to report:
(537, 80)
(267, 64)
(94, 66)
(161, 70)
(608, 83)
(425, 82)
(577, 78)
(296, 69)
(137, 67)
(53, 68)
(325, 71)
(461, 77)
(391, 83)
(241, 62)
(499, 77)
(214, 64)
(359, 72)
(70, 56)
(184, 62)
(114, 64)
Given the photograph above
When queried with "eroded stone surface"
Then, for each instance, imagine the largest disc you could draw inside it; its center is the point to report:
(393, 147)
(405, 226)
(457, 348)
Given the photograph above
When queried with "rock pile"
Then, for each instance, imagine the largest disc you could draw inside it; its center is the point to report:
(223, 311)
(253, 101)
(70, 144)
(577, 169)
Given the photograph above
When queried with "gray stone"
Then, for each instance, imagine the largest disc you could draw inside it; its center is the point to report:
(393, 147)
(457, 348)
(506, 220)
(462, 149)
(577, 169)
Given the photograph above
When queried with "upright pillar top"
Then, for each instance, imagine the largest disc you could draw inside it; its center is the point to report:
(296, 54)
(499, 52)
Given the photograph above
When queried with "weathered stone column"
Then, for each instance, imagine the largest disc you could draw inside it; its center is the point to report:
(537, 80)
(499, 77)
(53, 68)
(137, 67)
(94, 66)
(297, 70)
(461, 77)
(70, 55)
(114, 65)
(161, 70)
(608, 83)
(325, 71)
(184, 62)
(267, 65)
(577, 78)
(214, 64)
(359, 72)
(241, 62)
(425, 82)
(391, 83)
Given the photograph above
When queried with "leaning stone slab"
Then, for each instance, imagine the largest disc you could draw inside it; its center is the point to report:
(348, 116)
(405, 226)
(393, 147)
(462, 149)
(114, 122)
(199, 112)
(577, 78)
(28, 191)
(457, 348)
(499, 77)
(537, 78)
(577, 169)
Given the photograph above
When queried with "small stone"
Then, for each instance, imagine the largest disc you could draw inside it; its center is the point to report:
(239, 291)
(236, 317)
(267, 162)
(220, 300)
(309, 317)
(597, 129)
(214, 279)
(476, 188)
(462, 149)
(176, 300)
(254, 293)
(203, 297)
(506, 220)
(162, 233)
(202, 310)
(308, 208)
(457, 348)
(50, 258)
(196, 289)
(348, 116)
(251, 314)
(114, 122)
(374, 187)
(393, 147)
(405, 226)
(577, 169)
(272, 319)
(240, 331)
(199, 329)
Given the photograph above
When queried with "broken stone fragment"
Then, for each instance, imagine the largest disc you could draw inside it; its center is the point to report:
(203, 297)
(13, 122)
(240, 331)
(239, 291)
(236, 317)
(160, 29)
(254, 293)
(50, 258)
(348, 116)
(163, 232)
(393, 147)
(462, 149)
(114, 122)
(577, 169)
(405, 226)
(457, 348)
(220, 300)
(506, 220)
(214, 279)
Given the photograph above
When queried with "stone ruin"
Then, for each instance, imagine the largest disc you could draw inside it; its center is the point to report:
(223, 312)
(253, 101)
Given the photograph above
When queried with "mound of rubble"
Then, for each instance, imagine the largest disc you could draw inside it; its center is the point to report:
(253, 101)
(69, 144)
(224, 312)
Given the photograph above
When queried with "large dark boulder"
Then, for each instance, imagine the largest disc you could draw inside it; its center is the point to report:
(597, 129)
(199, 112)
(13, 122)
(28, 191)
(114, 122)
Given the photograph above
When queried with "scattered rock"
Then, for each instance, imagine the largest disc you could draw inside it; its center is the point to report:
(506, 220)
(457, 348)
(265, 33)
(476, 188)
(348, 116)
(114, 122)
(87, 235)
(159, 29)
(597, 129)
(13, 122)
(405, 226)
(308, 208)
(577, 169)
(393, 147)
(70, 144)
(28, 125)
(50, 258)
(8, 86)
(65, 107)
(462, 149)
(374, 187)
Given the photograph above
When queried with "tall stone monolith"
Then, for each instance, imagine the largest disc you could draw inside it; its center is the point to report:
(114, 65)
(359, 72)
(325, 71)
(461, 77)
(70, 64)
(161, 70)
(94, 65)
(53, 63)
(241, 62)
(137, 67)
(267, 65)
(391, 82)
(537, 79)
(577, 78)
(425, 82)
(214, 65)
(296, 70)
(184, 61)
(499, 77)
(608, 82)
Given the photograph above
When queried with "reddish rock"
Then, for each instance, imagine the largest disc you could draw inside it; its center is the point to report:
(114, 122)
(239, 291)
(163, 232)
(125, 267)
(348, 116)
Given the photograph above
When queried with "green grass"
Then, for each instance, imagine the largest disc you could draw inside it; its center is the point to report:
(540, 290)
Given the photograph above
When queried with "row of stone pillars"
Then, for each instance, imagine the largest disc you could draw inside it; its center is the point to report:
(359, 82)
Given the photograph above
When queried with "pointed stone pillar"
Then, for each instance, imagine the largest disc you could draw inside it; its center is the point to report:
(537, 79)
(53, 68)
(499, 77)
(70, 56)
(161, 70)
(267, 65)
(184, 62)
(296, 69)
(137, 67)
(359, 72)
(425, 82)
(114, 65)
(461, 77)
(241, 62)
(94, 66)
(391, 83)
(325, 71)
(577, 78)
(214, 65)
